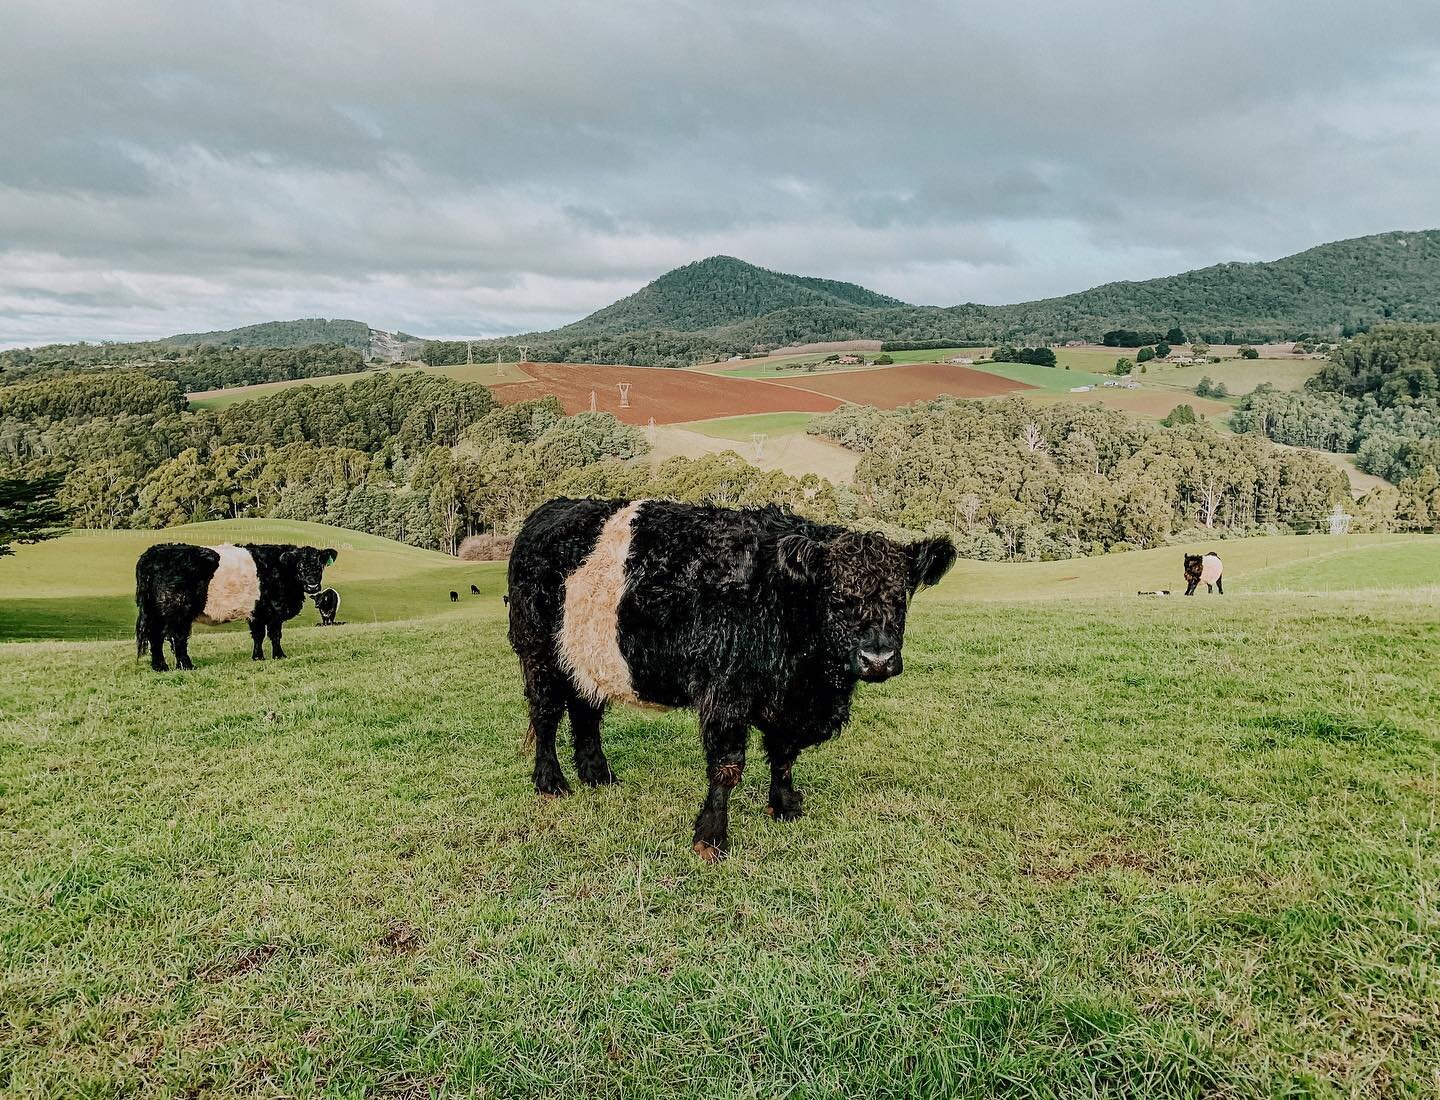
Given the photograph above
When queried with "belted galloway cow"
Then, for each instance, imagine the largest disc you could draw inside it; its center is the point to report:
(177, 585)
(756, 617)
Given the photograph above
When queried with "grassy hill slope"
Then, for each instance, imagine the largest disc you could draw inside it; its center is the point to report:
(83, 584)
(1081, 848)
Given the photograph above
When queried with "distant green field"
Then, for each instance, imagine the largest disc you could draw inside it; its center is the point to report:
(1052, 379)
(743, 427)
(83, 585)
(1239, 375)
(488, 373)
(1091, 847)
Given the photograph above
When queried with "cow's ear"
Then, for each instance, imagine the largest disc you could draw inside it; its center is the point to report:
(800, 558)
(930, 559)
(329, 555)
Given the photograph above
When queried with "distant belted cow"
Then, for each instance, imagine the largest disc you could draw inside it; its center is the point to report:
(177, 585)
(1203, 569)
(755, 617)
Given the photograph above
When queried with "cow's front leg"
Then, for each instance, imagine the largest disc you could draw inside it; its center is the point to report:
(257, 640)
(274, 630)
(786, 803)
(725, 739)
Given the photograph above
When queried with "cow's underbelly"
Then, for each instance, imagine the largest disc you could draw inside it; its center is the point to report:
(1210, 569)
(588, 644)
(234, 589)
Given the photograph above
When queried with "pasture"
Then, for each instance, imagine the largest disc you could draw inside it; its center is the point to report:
(1088, 845)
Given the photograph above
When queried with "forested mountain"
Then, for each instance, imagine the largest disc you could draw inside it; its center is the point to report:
(721, 307)
(721, 291)
(281, 334)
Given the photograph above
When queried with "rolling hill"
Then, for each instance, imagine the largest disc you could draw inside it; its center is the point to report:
(722, 306)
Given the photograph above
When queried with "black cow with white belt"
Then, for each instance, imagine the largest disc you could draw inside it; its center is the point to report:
(177, 585)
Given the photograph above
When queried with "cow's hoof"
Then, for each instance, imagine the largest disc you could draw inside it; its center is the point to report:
(557, 789)
(280, 656)
(780, 814)
(602, 778)
(708, 852)
(257, 656)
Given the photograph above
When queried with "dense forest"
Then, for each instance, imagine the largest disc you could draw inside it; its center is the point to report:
(206, 367)
(1378, 395)
(721, 307)
(1013, 479)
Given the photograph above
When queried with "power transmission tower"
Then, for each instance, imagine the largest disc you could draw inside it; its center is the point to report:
(650, 431)
(624, 394)
(592, 401)
(524, 353)
(469, 352)
(758, 440)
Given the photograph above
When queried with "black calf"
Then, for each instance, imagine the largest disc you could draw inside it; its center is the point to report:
(474, 590)
(454, 597)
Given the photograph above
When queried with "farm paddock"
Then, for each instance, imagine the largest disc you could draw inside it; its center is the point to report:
(670, 396)
(891, 387)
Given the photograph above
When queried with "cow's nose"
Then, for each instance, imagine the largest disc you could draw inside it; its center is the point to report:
(881, 664)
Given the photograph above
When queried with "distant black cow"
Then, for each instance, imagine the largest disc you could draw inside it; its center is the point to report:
(474, 590)
(454, 597)
(1203, 569)
(328, 604)
(177, 584)
(754, 617)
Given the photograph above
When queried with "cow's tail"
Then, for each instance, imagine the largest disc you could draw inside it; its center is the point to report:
(142, 624)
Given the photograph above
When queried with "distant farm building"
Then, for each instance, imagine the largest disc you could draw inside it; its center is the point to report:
(849, 360)
(1121, 383)
(1081, 389)
(961, 360)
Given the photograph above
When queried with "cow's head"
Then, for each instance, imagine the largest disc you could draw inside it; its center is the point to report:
(1194, 563)
(865, 582)
(309, 564)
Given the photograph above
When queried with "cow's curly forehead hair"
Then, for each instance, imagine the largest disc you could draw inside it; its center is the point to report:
(866, 562)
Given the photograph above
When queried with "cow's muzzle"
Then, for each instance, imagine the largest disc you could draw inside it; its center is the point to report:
(872, 667)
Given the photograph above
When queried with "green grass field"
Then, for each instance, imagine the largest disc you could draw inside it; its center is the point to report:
(83, 585)
(1088, 846)
(1239, 375)
(1049, 379)
(741, 428)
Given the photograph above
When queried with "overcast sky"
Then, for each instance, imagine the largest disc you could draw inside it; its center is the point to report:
(478, 168)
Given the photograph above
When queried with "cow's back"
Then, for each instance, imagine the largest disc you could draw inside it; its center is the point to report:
(1211, 569)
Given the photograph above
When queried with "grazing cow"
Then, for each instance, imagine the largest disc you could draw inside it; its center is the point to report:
(177, 585)
(474, 590)
(328, 604)
(754, 617)
(1205, 570)
(454, 597)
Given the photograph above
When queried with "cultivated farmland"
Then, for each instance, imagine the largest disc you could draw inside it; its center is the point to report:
(891, 387)
(669, 396)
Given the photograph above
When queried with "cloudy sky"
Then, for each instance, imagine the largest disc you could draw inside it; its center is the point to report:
(477, 168)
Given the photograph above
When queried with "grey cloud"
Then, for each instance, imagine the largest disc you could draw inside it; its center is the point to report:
(481, 168)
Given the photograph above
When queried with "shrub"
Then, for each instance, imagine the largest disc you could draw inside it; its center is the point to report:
(487, 546)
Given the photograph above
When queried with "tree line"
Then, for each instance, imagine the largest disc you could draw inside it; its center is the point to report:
(1378, 395)
(1015, 480)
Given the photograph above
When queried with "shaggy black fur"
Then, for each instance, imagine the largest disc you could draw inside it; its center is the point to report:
(454, 597)
(172, 579)
(1194, 566)
(755, 617)
(474, 590)
(328, 604)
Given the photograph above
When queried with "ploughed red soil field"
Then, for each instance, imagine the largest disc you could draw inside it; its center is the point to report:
(891, 387)
(670, 396)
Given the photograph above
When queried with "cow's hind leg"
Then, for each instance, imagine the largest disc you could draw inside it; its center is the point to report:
(724, 736)
(257, 640)
(180, 639)
(546, 692)
(590, 762)
(155, 639)
(274, 627)
(1219, 586)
